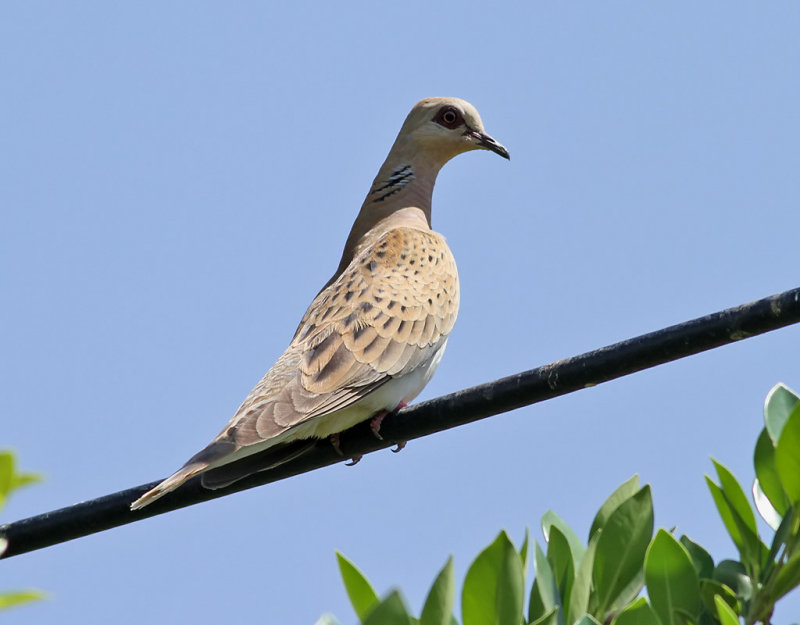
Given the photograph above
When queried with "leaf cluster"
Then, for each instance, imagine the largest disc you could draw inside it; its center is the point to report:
(602, 581)
(11, 480)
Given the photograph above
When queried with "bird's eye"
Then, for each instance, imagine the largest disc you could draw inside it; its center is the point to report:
(449, 117)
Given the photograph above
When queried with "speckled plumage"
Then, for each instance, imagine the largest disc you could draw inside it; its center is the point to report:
(375, 333)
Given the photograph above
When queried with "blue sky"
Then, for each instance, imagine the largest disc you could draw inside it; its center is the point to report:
(177, 181)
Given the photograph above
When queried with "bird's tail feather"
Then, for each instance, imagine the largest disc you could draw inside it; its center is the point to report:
(185, 473)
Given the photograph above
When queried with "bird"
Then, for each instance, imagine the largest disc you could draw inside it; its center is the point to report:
(375, 333)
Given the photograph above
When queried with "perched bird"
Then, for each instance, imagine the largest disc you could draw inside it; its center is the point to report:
(375, 333)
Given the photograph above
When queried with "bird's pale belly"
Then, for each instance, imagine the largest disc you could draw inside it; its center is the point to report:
(388, 397)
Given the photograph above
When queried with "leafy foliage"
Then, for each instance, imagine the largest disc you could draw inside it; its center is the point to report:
(577, 584)
(11, 480)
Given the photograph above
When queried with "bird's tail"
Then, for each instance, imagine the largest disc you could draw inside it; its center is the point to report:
(185, 473)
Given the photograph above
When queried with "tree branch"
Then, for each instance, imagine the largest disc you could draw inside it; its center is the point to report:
(436, 415)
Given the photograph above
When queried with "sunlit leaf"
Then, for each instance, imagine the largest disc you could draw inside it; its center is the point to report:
(725, 612)
(621, 548)
(735, 495)
(767, 474)
(510, 588)
(582, 586)
(11, 599)
(6, 474)
(561, 563)
(624, 492)
(764, 506)
(637, 613)
(327, 619)
(390, 611)
(493, 587)
(524, 551)
(752, 551)
(438, 609)
(787, 456)
(711, 589)
(576, 547)
(362, 596)
(545, 585)
(783, 536)
(672, 582)
(779, 403)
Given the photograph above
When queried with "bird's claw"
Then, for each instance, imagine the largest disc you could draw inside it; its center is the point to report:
(399, 447)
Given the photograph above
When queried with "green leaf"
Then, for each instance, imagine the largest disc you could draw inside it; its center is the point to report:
(702, 560)
(764, 506)
(362, 595)
(493, 588)
(783, 536)
(523, 552)
(544, 585)
(710, 590)
(550, 618)
(672, 583)
(637, 613)
(10, 480)
(621, 549)
(788, 577)
(752, 551)
(767, 474)
(11, 599)
(734, 576)
(582, 586)
(390, 611)
(725, 612)
(6, 474)
(787, 456)
(587, 619)
(562, 563)
(576, 547)
(327, 619)
(734, 493)
(625, 491)
(438, 609)
(779, 403)
(510, 589)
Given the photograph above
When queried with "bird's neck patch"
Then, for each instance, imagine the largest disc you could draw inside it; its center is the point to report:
(394, 183)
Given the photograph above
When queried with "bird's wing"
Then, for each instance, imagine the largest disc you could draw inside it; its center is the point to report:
(386, 314)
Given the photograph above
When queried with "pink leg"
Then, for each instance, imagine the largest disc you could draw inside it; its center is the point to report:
(375, 423)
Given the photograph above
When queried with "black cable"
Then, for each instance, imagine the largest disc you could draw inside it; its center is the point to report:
(479, 402)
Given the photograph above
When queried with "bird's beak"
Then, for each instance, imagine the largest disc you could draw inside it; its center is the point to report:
(487, 143)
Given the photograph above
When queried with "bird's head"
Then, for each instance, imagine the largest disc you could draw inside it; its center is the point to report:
(445, 127)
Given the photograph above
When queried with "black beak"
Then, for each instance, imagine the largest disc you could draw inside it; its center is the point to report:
(486, 142)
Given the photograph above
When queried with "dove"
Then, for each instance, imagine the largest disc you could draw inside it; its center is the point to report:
(375, 333)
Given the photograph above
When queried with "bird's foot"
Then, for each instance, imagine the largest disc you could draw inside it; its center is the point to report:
(334, 438)
(375, 423)
(399, 447)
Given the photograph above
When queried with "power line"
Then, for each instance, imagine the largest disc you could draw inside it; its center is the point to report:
(436, 415)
